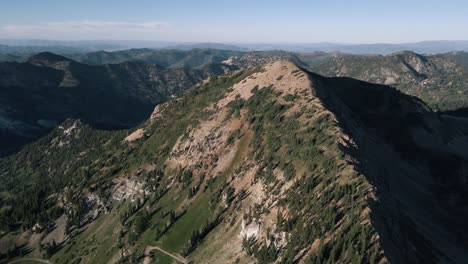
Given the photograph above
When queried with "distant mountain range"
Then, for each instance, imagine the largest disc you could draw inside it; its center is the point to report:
(425, 47)
(67, 47)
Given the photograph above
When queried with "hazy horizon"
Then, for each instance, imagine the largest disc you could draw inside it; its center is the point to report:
(25, 40)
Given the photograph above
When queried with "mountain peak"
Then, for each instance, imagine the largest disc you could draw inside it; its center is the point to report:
(47, 59)
(404, 53)
(283, 76)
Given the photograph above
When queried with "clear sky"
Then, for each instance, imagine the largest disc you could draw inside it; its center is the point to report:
(248, 21)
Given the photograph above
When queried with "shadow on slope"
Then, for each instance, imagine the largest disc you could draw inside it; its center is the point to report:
(417, 162)
(461, 112)
(38, 95)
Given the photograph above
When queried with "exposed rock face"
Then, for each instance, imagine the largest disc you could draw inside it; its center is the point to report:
(128, 189)
(283, 76)
(68, 131)
(139, 133)
(251, 230)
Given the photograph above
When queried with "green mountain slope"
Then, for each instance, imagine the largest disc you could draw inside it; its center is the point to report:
(269, 164)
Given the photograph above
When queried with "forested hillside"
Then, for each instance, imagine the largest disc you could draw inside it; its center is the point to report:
(267, 164)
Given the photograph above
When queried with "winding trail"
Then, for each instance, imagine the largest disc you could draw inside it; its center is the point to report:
(151, 248)
(30, 259)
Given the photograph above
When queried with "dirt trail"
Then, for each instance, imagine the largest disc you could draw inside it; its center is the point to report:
(30, 259)
(151, 248)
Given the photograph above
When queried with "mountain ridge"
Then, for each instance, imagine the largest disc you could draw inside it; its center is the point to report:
(49, 88)
(272, 163)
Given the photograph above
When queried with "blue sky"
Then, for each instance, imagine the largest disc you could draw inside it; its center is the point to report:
(292, 21)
